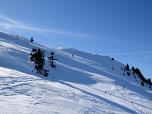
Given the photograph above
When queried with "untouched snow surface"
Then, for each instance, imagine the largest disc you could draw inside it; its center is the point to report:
(82, 84)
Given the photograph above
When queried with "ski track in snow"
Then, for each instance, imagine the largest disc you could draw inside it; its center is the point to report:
(82, 84)
(136, 108)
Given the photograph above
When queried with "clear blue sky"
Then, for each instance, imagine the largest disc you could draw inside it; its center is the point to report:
(119, 28)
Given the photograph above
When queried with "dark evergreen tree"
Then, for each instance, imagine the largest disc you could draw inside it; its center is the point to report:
(133, 68)
(51, 60)
(137, 71)
(127, 67)
(142, 83)
(32, 39)
(37, 56)
(149, 81)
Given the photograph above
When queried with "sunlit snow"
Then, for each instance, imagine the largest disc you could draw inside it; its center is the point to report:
(81, 84)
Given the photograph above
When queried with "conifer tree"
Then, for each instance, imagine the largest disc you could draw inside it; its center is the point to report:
(127, 67)
(32, 39)
(37, 56)
(51, 60)
(149, 82)
(142, 83)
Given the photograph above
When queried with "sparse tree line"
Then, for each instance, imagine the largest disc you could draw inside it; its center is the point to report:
(38, 57)
(137, 72)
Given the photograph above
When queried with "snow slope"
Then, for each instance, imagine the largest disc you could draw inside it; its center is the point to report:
(82, 84)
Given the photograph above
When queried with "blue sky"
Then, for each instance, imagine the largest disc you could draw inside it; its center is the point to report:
(119, 28)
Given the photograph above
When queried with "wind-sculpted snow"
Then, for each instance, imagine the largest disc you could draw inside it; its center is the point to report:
(81, 84)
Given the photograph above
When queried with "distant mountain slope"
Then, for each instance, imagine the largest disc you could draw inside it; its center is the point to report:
(81, 84)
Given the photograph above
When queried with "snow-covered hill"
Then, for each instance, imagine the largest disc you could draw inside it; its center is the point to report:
(82, 84)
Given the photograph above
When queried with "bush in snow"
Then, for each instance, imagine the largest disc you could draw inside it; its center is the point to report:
(112, 58)
(37, 56)
(128, 73)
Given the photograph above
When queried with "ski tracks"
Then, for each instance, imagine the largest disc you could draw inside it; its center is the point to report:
(126, 101)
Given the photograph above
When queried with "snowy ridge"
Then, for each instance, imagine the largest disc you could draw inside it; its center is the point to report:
(82, 84)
